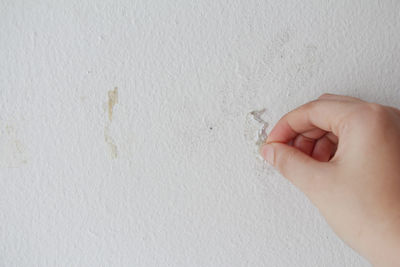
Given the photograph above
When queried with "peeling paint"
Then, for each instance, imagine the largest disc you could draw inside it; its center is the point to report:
(262, 133)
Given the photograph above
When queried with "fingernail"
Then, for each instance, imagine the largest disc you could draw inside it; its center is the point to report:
(267, 151)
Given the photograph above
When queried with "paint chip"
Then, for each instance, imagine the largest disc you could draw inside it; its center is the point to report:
(262, 132)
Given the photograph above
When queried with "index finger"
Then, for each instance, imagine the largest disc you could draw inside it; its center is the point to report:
(316, 117)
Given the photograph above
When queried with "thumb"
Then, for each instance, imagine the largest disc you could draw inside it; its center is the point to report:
(299, 168)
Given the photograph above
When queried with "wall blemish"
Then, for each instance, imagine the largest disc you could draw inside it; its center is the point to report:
(13, 152)
(112, 100)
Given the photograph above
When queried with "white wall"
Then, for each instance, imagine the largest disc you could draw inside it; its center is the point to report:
(172, 179)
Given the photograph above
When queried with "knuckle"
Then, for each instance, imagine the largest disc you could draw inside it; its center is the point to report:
(375, 108)
(370, 117)
(370, 111)
(376, 113)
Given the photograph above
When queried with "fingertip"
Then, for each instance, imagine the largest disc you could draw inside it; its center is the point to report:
(267, 152)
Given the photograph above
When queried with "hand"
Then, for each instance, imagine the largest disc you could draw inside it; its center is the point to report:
(344, 154)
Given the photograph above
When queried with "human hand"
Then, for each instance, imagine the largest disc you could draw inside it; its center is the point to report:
(344, 154)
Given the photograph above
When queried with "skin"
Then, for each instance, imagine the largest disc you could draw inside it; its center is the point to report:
(344, 154)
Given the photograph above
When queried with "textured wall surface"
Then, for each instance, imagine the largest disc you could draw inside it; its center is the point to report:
(125, 138)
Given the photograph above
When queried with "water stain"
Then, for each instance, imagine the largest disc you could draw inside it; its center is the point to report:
(110, 142)
(112, 100)
(13, 152)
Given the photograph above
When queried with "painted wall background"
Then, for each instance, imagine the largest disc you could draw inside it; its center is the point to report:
(162, 171)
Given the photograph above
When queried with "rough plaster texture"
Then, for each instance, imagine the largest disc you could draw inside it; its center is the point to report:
(169, 176)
